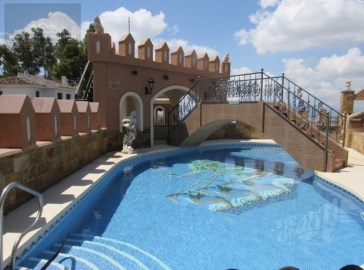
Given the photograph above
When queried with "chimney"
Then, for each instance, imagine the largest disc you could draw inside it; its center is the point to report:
(64, 80)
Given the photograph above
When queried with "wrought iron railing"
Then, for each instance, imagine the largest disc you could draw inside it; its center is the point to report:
(186, 105)
(337, 128)
(307, 112)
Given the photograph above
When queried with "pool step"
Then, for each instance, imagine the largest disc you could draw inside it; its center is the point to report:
(69, 260)
(88, 252)
(93, 256)
(132, 256)
(38, 263)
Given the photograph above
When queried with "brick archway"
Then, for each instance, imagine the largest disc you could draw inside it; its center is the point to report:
(176, 88)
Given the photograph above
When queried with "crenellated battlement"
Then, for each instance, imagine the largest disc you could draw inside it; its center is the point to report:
(101, 47)
(27, 121)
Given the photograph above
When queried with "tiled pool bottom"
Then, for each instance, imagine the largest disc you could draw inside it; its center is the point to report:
(301, 226)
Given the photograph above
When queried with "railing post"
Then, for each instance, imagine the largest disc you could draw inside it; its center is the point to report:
(327, 142)
(168, 125)
(261, 84)
(283, 86)
(1, 234)
(344, 131)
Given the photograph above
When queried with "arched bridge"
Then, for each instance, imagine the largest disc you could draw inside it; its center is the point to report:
(306, 127)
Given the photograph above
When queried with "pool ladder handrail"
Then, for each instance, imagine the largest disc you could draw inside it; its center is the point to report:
(4, 193)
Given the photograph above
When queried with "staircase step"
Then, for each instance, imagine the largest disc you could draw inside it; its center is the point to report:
(128, 260)
(88, 252)
(70, 260)
(93, 256)
(144, 257)
(38, 263)
(339, 163)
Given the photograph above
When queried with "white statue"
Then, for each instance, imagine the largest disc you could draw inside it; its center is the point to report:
(226, 58)
(98, 26)
(348, 86)
(129, 130)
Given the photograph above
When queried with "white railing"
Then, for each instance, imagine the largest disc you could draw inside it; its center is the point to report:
(4, 193)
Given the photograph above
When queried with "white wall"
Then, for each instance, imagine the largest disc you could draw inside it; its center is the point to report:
(30, 90)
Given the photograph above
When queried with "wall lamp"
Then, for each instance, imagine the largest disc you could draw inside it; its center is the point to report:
(149, 88)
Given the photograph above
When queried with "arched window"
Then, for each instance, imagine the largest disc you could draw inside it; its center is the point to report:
(159, 116)
(129, 48)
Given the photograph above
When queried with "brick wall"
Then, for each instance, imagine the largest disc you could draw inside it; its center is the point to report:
(358, 141)
(45, 165)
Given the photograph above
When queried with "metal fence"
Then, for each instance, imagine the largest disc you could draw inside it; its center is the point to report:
(306, 111)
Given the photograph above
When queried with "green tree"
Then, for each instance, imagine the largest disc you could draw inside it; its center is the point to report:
(50, 58)
(34, 51)
(71, 57)
(91, 29)
(43, 51)
(22, 48)
(8, 62)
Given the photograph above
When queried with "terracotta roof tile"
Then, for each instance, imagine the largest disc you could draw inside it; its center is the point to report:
(22, 79)
(13, 80)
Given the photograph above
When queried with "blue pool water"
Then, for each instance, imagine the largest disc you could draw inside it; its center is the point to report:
(227, 207)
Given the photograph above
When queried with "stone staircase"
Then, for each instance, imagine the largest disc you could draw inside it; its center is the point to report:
(316, 131)
(93, 252)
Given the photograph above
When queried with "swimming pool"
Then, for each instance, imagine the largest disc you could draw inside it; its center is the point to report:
(237, 206)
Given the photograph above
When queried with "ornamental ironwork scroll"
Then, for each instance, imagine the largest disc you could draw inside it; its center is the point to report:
(249, 90)
(290, 99)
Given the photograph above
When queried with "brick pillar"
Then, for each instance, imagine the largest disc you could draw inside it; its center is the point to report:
(347, 100)
(226, 65)
(347, 107)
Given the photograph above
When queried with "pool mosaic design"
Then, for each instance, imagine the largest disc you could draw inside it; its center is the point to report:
(227, 187)
(220, 207)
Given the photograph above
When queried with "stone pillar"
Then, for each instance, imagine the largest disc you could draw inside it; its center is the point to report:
(347, 107)
(347, 100)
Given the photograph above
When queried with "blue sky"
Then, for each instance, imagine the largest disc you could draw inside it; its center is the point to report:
(319, 44)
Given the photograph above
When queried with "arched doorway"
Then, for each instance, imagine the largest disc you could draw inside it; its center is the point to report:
(173, 94)
(159, 115)
(129, 102)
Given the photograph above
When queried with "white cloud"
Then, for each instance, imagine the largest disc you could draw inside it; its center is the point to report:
(326, 79)
(176, 43)
(241, 70)
(300, 24)
(351, 65)
(174, 29)
(143, 24)
(268, 3)
(53, 24)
